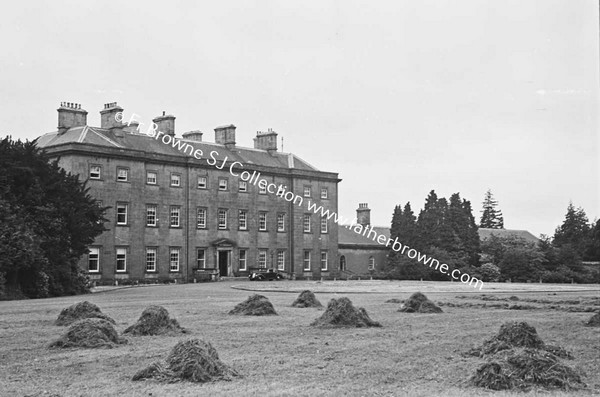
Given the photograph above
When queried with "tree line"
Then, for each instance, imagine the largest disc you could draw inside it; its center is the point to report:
(446, 230)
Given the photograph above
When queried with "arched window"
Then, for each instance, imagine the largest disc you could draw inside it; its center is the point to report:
(342, 262)
(371, 263)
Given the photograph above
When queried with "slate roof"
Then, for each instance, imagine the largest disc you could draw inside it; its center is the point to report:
(95, 136)
(485, 233)
(349, 237)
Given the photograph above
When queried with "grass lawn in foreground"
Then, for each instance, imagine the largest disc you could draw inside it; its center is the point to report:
(412, 354)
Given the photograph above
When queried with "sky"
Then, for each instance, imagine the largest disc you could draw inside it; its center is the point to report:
(398, 97)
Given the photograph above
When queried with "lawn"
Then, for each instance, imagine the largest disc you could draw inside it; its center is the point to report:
(412, 354)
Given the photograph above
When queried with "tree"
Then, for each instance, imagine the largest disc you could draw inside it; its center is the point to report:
(465, 240)
(574, 231)
(592, 252)
(54, 216)
(491, 216)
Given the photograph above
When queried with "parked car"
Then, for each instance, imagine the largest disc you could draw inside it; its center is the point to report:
(270, 274)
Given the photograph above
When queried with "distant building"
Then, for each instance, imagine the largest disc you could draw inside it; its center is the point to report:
(485, 233)
(174, 216)
(360, 255)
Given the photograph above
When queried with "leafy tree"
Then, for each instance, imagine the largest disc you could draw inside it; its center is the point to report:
(489, 272)
(592, 252)
(54, 216)
(518, 259)
(491, 216)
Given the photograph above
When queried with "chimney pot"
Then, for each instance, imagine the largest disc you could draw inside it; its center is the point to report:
(70, 116)
(107, 116)
(363, 214)
(266, 141)
(165, 123)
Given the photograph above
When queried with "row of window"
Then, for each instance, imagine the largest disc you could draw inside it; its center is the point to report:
(222, 218)
(175, 254)
(175, 181)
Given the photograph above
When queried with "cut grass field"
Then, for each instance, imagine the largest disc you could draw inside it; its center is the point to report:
(412, 354)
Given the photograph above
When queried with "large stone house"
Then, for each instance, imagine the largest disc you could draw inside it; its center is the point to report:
(177, 214)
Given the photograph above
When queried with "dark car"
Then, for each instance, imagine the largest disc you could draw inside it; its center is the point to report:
(265, 275)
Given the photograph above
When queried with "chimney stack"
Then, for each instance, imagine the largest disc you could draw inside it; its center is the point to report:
(70, 115)
(225, 135)
(195, 135)
(363, 215)
(166, 124)
(107, 116)
(266, 141)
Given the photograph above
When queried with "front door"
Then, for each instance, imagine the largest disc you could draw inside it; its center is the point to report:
(223, 262)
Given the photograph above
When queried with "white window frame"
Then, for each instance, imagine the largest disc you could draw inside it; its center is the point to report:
(222, 219)
(243, 220)
(94, 256)
(124, 206)
(262, 221)
(151, 215)
(149, 180)
(281, 222)
(204, 184)
(242, 259)
(243, 186)
(281, 260)
(324, 261)
(174, 259)
(223, 184)
(307, 191)
(151, 257)
(175, 179)
(201, 259)
(201, 217)
(324, 225)
(175, 216)
(306, 260)
(121, 255)
(262, 259)
(371, 263)
(306, 223)
(262, 189)
(99, 172)
(324, 193)
(122, 174)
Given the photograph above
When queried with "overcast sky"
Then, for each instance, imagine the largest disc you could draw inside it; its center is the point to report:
(398, 97)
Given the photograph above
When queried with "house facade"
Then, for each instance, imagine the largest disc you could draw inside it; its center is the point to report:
(213, 207)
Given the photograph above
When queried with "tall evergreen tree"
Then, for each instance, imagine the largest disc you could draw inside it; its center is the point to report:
(574, 231)
(491, 216)
(407, 227)
(56, 220)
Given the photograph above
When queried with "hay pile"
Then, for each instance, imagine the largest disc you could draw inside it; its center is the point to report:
(255, 305)
(526, 368)
(155, 321)
(418, 303)
(80, 311)
(594, 321)
(519, 359)
(341, 313)
(192, 360)
(516, 334)
(307, 299)
(89, 333)
(393, 300)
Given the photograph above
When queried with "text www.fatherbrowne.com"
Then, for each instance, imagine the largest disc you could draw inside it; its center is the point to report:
(280, 191)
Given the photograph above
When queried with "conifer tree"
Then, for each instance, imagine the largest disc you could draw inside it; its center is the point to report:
(574, 231)
(491, 216)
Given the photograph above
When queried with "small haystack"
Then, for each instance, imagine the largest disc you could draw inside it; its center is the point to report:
(155, 321)
(341, 313)
(255, 305)
(512, 334)
(418, 303)
(525, 368)
(307, 299)
(80, 311)
(594, 321)
(89, 333)
(192, 360)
